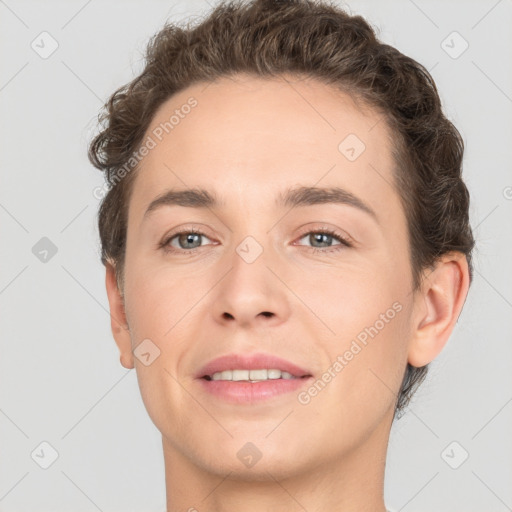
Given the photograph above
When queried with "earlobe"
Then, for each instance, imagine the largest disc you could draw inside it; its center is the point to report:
(118, 323)
(439, 304)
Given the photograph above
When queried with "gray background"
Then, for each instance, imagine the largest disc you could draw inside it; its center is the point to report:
(60, 377)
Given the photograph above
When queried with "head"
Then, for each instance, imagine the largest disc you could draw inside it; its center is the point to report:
(256, 99)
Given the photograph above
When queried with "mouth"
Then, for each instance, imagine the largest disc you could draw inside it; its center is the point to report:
(257, 375)
(251, 378)
(253, 392)
(251, 367)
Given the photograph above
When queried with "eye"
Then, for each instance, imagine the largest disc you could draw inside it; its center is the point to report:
(187, 241)
(325, 237)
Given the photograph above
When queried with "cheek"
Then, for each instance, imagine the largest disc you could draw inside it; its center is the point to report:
(157, 312)
(369, 316)
(154, 298)
(367, 361)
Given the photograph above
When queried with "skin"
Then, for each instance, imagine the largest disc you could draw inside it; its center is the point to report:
(247, 140)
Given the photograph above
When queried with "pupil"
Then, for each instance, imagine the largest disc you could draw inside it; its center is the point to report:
(319, 237)
(189, 237)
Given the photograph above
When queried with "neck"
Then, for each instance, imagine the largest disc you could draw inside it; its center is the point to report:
(347, 483)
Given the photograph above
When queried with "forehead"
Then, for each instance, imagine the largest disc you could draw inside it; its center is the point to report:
(244, 133)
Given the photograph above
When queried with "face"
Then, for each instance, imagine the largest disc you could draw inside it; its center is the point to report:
(322, 281)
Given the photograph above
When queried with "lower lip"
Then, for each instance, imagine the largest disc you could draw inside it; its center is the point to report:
(240, 392)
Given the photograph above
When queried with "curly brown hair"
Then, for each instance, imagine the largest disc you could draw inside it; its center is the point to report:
(308, 39)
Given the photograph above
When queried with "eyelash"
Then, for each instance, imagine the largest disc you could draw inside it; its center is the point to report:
(344, 242)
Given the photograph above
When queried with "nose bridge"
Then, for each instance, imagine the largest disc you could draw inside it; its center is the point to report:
(250, 260)
(253, 241)
(251, 234)
(250, 292)
(251, 248)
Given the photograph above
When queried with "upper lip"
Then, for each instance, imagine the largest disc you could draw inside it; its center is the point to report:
(250, 362)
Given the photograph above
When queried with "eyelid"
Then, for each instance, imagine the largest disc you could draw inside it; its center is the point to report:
(345, 241)
(165, 242)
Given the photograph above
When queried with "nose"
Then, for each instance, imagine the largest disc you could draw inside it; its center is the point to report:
(251, 294)
(266, 314)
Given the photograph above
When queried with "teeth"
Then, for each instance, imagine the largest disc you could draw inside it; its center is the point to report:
(252, 375)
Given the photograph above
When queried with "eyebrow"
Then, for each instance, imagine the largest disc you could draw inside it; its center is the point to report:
(293, 197)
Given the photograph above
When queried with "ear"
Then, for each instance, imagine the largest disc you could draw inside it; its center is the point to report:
(438, 306)
(119, 325)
